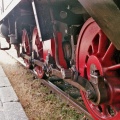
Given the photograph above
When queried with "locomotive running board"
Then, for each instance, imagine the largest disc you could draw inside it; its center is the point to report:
(107, 14)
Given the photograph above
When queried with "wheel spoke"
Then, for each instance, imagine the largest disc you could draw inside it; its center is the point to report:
(103, 42)
(116, 108)
(111, 68)
(105, 110)
(38, 49)
(109, 53)
(26, 46)
(94, 45)
(90, 50)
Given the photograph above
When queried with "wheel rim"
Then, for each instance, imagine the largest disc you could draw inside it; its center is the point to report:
(95, 51)
(26, 49)
(38, 50)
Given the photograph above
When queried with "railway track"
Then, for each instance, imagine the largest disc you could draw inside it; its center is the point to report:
(79, 106)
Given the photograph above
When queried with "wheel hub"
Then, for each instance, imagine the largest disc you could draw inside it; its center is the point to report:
(93, 64)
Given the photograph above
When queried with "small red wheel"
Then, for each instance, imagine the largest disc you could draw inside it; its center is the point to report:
(94, 49)
(39, 71)
(26, 47)
(38, 52)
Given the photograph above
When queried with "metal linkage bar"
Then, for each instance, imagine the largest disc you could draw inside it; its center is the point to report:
(36, 20)
(81, 83)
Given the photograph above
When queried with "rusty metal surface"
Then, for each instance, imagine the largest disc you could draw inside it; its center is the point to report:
(107, 14)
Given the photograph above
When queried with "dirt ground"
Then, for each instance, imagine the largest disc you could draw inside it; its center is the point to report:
(36, 99)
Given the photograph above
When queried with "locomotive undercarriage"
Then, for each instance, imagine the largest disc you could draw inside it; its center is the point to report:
(50, 42)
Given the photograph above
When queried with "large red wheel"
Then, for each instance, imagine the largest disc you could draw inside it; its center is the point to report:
(94, 49)
(26, 47)
(38, 52)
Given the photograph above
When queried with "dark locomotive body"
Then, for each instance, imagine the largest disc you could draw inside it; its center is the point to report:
(76, 40)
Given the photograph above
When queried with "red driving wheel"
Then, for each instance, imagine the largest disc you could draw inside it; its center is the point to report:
(38, 53)
(96, 52)
(26, 47)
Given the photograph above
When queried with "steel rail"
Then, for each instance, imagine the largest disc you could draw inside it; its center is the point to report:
(79, 107)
